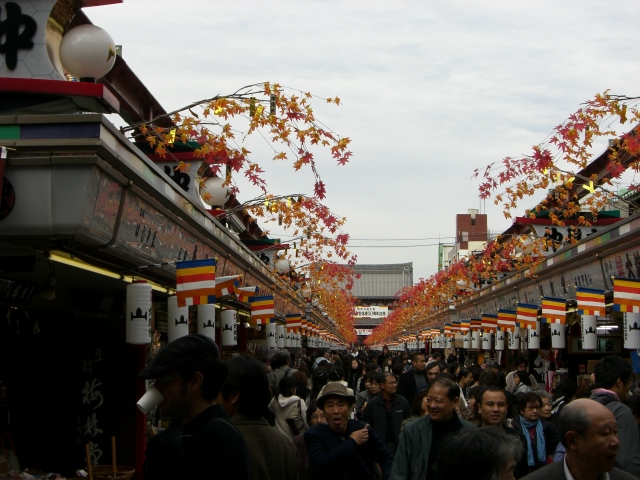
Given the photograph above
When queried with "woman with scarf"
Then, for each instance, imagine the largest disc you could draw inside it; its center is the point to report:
(542, 437)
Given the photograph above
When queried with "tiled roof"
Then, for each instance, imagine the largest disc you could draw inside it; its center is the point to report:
(382, 281)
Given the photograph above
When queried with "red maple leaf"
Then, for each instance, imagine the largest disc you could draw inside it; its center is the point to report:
(319, 189)
(615, 169)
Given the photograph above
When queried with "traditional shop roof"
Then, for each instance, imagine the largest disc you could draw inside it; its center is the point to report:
(382, 281)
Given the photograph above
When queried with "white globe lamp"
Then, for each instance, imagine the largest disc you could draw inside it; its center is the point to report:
(218, 194)
(283, 266)
(87, 52)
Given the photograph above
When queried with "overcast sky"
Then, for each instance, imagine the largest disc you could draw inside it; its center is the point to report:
(430, 91)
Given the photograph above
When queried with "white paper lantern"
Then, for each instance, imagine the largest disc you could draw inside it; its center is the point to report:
(177, 318)
(87, 52)
(486, 340)
(229, 327)
(207, 320)
(500, 340)
(475, 339)
(213, 193)
(282, 265)
(466, 340)
(449, 342)
(298, 340)
(280, 335)
(514, 339)
(270, 331)
(287, 340)
(631, 330)
(558, 336)
(138, 313)
(533, 337)
(589, 332)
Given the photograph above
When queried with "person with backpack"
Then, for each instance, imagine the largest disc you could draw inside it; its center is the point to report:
(289, 409)
(281, 368)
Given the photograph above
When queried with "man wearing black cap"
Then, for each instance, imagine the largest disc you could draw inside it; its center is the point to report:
(344, 448)
(189, 374)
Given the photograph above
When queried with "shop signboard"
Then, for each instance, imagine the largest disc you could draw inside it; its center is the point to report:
(623, 264)
(372, 312)
(364, 331)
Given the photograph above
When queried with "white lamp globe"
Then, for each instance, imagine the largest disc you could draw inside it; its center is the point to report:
(218, 195)
(283, 266)
(87, 52)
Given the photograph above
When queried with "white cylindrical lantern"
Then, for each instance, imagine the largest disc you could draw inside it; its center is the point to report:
(270, 330)
(500, 340)
(177, 318)
(589, 331)
(514, 339)
(207, 320)
(213, 193)
(466, 340)
(533, 336)
(449, 342)
(558, 338)
(486, 340)
(229, 328)
(138, 313)
(475, 339)
(87, 52)
(298, 339)
(280, 336)
(631, 330)
(287, 340)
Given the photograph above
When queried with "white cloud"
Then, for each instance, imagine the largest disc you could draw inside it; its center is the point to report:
(431, 90)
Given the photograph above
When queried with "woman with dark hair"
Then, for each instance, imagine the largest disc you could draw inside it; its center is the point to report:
(453, 369)
(355, 372)
(383, 357)
(302, 390)
(289, 409)
(471, 413)
(563, 394)
(314, 417)
(465, 379)
(418, 407)
(523, 383)
(542, 437)
(319, 379)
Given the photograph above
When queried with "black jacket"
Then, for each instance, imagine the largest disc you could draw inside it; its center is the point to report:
(333, 456)
(377, 416)
(407, 387)
(212, 447)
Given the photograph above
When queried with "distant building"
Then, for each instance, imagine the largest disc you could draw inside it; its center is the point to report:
(376, 292)
(472, 235)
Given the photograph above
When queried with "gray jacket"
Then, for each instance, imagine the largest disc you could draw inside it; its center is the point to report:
(279, 373)
(629, 453)
(412, 456)
(555, 471)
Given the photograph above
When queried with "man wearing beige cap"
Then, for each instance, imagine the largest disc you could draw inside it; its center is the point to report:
(344, 448)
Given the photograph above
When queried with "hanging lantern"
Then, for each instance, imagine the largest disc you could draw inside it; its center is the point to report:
(533, 336)
(449, 342)
(87, 52)
(207, 320)
(138, 313)
(558, 339)
(514, 339)
(280, 335)
(475, 339)
(218, 194)
(270, 330)
(229, 328)
(287, 340)
(486, 340)
(466, 340)
(631, 330)
(589, 332)
(283, 266)
(177, 319)
(500, 340)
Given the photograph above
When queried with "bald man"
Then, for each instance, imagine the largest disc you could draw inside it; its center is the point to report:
(588, 431)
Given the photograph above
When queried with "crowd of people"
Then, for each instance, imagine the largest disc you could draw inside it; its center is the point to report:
(370, 416)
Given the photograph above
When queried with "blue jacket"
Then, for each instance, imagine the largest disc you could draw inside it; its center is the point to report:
(333, 456)
(412, 456)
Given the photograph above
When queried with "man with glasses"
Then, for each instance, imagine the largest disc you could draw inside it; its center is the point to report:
(189, 374)
(386, 412)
